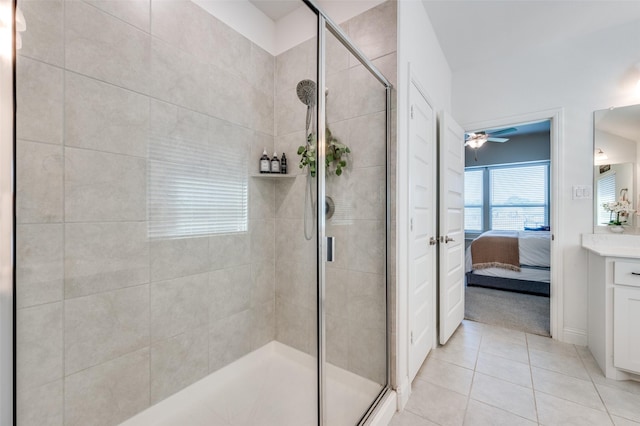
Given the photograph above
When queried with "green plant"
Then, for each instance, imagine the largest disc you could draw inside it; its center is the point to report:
(335, 154)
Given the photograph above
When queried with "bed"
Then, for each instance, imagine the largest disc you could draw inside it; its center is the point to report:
(510, 260)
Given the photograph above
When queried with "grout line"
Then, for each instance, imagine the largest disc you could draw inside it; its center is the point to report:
(533, 386)
(604, 404)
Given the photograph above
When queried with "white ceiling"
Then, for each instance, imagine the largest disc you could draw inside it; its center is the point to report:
(276, 9)
(476, 31)
(622, 121)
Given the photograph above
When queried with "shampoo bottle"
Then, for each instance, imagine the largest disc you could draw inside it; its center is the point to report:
(283, 164)
(265, 164)
(275, 163)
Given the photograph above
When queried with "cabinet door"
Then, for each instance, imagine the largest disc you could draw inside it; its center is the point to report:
(626, 328)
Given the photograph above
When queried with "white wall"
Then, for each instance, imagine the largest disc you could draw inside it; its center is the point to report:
(6, 216)
(591, 73)
(420, 51)
(290, 30)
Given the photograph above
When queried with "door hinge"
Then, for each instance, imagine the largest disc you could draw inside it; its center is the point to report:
(412, 337)
(411, 224)
(411, 111)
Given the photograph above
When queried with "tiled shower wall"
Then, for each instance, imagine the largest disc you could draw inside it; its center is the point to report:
(355, 294)
(108, 320)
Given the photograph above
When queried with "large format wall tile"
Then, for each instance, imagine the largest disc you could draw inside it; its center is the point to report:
(41, 406)
(104, 187)
(179, 305)
(375, 31)
(135, 12)
(229, 339)
(104, 117)
(177, 362)
(178, 257)
(44, 39)
(39, 345)
(232, 51)
(367, 135)
(227, 250)
(262, 237)
(294, 325)
(105, 256)
(263, 324)
(230, 97)
(184, 25)
(39, 264)
(104, 326)
(104, 47)
(179, 77)
(178, 135)
(109, 393)
(230, 292)
(262, 70)
(39, 101)
(39, 183)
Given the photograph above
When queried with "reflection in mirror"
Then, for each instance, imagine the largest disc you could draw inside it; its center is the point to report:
(617, 160)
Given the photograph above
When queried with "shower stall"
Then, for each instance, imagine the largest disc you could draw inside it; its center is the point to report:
(161, 279)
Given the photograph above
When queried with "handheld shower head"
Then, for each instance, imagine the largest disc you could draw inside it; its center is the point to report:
(306, 90)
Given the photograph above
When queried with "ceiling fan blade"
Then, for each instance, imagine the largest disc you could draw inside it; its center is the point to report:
(503, 131)
(498, 139)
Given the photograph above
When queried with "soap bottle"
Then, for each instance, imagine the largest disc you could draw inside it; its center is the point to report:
(275, 163)
(265, 164)
(283, 164)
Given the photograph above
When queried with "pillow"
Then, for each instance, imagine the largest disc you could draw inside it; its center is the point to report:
(537, 228)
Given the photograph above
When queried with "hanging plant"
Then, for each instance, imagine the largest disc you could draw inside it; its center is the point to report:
(335, 158)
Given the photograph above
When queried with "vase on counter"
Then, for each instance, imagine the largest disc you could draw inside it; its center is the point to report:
(616, 229)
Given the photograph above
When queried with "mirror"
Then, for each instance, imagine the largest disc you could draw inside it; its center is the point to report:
(616, 163)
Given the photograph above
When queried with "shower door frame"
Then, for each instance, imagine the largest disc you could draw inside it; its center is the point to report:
(326, 24)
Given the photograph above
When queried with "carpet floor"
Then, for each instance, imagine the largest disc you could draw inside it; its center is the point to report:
(524, 312)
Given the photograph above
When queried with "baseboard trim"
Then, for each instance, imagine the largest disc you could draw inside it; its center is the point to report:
(385, 411)
(403, 393)
(574, 336)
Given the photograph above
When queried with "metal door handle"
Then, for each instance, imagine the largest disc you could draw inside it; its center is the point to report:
(433, 241)
(331, 249)
(448, 239)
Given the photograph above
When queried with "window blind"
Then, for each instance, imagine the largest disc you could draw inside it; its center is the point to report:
(195, 188)
(473, 198)
(519, 196)
(606, 193)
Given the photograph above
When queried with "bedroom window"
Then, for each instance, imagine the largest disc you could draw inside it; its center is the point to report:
(473, 200)
(514, 197)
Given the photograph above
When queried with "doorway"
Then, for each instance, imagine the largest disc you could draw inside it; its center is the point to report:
(508, 232)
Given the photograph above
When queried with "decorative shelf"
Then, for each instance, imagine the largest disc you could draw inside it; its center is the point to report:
(273, 176)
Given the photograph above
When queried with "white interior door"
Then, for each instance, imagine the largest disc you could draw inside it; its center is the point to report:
(422, 224)
(451, 227)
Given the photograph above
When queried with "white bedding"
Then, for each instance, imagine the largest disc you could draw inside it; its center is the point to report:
(534, 249)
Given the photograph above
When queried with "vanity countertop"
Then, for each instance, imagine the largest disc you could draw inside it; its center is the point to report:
(612, 245)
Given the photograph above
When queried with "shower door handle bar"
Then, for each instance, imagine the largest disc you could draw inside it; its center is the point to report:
(331, 249)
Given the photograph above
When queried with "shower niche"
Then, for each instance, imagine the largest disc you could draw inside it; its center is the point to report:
(160, 278)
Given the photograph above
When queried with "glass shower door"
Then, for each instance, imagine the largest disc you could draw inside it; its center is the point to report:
(355, 296)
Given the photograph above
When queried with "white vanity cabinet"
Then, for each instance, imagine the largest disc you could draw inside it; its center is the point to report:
(626, 315)
(614, 308)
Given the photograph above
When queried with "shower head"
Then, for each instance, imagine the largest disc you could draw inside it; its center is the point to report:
(306, 91)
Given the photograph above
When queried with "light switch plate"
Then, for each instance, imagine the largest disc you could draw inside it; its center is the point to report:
(582, 192)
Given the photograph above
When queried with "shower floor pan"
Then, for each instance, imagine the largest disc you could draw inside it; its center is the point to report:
(272, 386)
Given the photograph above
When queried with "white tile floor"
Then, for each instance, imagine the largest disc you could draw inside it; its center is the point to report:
(488, 375)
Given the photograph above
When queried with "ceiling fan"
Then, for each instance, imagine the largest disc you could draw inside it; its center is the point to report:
(477, 139)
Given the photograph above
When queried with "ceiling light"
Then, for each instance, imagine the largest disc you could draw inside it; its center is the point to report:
(476, 141)
(599, 155)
